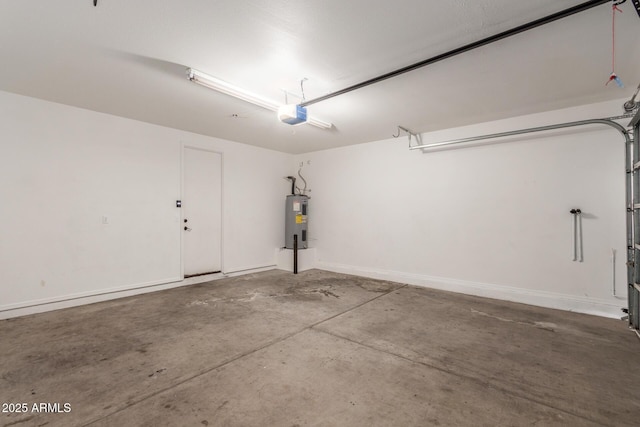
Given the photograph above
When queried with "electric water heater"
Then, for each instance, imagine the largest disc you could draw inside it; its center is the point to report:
(296, 221)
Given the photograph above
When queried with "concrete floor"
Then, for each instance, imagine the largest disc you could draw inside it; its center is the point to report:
(319, 348)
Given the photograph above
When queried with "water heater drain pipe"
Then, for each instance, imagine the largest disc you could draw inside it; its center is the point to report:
(295, 254)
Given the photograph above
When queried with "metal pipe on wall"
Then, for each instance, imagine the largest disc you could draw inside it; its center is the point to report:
(580, 246)
(575, 234)
(607, 122)
(295, 254)
(578, 254)
(613, 272)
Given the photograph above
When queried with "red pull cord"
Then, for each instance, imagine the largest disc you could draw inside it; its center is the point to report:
(613, 75)
(614, 8)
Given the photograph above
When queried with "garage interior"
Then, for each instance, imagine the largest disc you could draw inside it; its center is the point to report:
(297, 213)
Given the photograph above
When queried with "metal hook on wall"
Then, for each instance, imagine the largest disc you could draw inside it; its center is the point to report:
(409, 134)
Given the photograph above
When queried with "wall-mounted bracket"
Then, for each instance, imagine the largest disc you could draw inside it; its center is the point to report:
(410, 134)
(631, 105)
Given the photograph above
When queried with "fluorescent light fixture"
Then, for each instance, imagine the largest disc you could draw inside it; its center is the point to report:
(231, 90)
(319, 123)
(228, 89)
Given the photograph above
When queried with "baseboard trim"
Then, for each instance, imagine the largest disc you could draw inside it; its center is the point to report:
(249, 270)
(25, 308)
(306, 259)
(525, 296)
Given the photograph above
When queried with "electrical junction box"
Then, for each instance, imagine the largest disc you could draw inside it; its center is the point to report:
(292, 114)
(296, 221)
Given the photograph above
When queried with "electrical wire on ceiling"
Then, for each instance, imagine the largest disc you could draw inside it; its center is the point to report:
(301, 96)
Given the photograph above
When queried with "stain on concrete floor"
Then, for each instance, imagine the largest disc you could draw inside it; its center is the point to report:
(317, 348)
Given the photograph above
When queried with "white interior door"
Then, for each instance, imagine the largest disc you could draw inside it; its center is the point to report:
(202, 212)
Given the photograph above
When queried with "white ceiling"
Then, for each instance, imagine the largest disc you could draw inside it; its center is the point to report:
(129, 58)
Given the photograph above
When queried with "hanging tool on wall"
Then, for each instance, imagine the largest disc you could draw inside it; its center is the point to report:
(577, 235)
(614, 77)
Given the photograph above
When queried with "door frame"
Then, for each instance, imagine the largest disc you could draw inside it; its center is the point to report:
(186, 146)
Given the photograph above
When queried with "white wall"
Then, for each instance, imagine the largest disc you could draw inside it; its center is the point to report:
(490, 220)
(62, 169)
